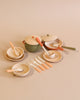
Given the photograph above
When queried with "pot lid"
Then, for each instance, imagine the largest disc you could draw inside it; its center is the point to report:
(32, 39)
(49, 37)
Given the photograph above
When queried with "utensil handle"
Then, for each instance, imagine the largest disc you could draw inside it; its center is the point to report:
(23, 42)
(9, 71)
(48, 64)
(38, 40)
(11, 45)
(69, 48)
(41, 67)
(38, 70)
(45, 66)
(45, 50)
(60, 48)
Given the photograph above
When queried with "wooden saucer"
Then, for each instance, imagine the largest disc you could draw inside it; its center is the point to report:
(57, 57)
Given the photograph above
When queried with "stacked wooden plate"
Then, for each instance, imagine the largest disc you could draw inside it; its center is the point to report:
(10, 55)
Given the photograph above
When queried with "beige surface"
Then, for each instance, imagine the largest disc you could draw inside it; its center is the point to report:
(18, 18)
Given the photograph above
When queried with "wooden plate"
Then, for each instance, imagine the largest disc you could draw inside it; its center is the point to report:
(57, 57)
(14, 60)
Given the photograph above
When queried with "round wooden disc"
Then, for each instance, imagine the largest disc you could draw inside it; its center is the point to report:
(57, 57)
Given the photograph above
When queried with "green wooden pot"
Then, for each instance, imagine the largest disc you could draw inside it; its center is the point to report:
(31, 44)
(32, 48)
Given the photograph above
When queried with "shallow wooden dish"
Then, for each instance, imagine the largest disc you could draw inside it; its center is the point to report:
(50, 45)
(57, 58)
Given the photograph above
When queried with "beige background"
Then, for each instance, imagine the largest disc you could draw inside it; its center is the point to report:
(18, 18)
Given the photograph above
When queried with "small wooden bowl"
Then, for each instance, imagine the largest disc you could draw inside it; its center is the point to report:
(24, 67)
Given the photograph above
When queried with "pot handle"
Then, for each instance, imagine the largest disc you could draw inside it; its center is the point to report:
(23, 42)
